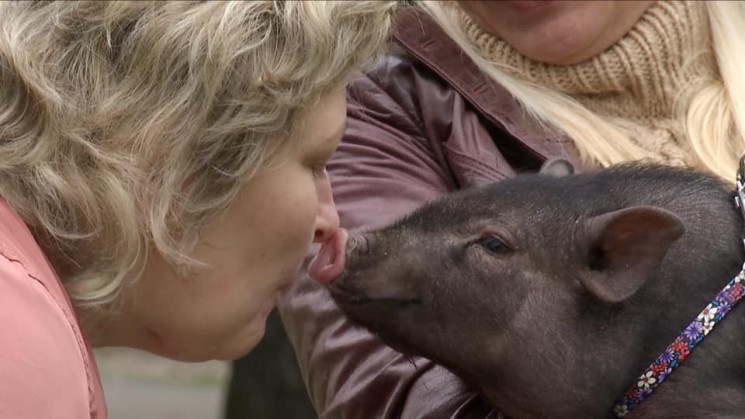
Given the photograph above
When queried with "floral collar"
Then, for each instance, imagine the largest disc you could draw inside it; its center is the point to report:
(681, 347)
(684, 344)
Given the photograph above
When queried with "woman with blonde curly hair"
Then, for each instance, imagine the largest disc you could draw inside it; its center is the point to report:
(162, 174)
(475, 92)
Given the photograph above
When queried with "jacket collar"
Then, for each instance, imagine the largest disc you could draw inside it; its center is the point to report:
(417, 33)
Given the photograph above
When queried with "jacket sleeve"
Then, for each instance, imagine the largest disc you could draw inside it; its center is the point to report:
(388, 164)
(42, 373)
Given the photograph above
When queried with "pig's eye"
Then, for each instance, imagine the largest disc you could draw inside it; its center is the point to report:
(493, 244)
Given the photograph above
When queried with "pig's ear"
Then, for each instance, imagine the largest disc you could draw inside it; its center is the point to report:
(557, 168)
(625, 246)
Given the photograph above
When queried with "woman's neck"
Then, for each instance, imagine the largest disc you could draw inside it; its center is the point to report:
(639, 78)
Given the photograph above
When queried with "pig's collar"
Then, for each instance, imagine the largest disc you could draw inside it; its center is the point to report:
(696, 331)
(681, 347)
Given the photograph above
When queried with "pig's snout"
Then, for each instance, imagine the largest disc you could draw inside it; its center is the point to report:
(373, 272)
(328, 263)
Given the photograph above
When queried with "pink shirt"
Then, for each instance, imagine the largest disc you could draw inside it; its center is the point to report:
(47, 369)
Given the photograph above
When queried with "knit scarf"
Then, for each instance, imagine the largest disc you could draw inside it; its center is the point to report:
(641, 82)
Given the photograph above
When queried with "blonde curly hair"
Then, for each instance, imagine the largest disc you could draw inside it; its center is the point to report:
(128, 126)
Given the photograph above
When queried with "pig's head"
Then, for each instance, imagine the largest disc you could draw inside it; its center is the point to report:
(514, 282)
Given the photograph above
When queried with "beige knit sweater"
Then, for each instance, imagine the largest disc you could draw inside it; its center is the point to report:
(642, 82)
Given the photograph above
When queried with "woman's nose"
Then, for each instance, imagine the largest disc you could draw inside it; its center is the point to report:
(327, 219)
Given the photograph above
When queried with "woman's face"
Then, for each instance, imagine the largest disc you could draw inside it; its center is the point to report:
(557, 32)
(254, 251)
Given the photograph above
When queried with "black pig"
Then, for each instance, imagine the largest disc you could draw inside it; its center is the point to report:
(552, 293)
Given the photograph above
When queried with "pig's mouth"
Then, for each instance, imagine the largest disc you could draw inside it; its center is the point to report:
(347, 295)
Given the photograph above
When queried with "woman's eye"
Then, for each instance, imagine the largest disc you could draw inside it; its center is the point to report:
(493, 244)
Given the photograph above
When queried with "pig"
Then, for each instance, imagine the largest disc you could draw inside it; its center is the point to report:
(552, 292)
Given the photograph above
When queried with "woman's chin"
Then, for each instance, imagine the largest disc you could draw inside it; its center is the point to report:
(246, 341)
(230, 350)
(239, 350)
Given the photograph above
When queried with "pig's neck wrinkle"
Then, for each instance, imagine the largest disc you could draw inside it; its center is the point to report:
(533, 406)
(531, 388)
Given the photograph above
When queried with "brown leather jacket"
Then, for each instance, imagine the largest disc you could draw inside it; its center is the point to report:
(422, 121)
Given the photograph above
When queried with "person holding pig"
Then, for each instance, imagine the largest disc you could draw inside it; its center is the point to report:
(474, 92)
(162, 173)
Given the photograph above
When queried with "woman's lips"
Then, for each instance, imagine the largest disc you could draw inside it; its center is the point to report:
(528, 5)
(328, 263)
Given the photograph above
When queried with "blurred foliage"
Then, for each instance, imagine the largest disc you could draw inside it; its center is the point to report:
(266, 383)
